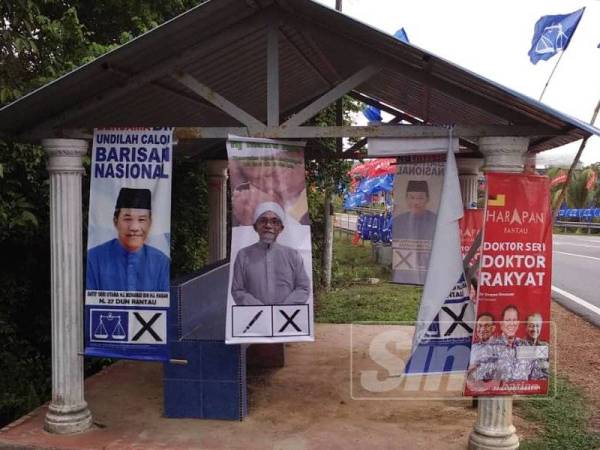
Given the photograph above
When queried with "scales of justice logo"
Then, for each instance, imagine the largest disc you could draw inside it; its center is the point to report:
(111, 326)
(552, 40)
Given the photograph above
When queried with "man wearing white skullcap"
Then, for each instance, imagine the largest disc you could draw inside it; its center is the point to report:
(268, 273)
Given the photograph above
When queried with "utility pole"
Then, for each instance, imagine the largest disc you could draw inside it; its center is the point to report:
(327, 204)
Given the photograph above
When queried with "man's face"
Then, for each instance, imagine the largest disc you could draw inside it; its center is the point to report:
(268, 226)
(417, 202)
(534, 327)
(510, 322)
(132, 226)
(485, 328)
(284, 180)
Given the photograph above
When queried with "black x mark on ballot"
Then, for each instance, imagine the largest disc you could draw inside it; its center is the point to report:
(458, 320)
(146, 326)
(403, 259)
(289, 320)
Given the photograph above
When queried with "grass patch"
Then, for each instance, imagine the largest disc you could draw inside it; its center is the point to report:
(354, 263)
(563, 418)
(353, 298)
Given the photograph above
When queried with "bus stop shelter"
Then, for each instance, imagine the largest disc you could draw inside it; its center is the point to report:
(260, 68)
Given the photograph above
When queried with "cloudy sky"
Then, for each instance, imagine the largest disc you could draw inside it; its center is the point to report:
(493, 38)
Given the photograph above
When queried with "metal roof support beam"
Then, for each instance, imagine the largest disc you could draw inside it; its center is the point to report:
(407, 117)
(300, 53)
(337, 92)
(360, 144)
(217, 42)
(219, 101)
(395, 112)
(407, 131)
(165, 87)
(391, 61)
(273, 75)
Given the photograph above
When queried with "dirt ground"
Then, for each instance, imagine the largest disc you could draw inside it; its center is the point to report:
(578, 355)
(316, 401)
(308, 404)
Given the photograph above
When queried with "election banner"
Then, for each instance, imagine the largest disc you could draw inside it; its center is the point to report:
(269, 296)
(417, 191)
(128, 253)
(509, 355)
(443, 330)
(471, 224)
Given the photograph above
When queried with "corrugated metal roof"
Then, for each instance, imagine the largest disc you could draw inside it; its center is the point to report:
(223, 44)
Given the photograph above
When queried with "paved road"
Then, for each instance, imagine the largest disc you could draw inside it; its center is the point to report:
(575, 270)
(576, 274)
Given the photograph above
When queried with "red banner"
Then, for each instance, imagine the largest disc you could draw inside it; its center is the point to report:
(470, 226)
(560, 179)
(509, 354)
(591, 182)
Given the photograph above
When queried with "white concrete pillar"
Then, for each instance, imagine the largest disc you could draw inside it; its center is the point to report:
(468, 176)
(217, 210)
(494, 429)
(68, 411)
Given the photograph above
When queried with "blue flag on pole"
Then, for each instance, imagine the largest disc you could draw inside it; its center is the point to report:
(401, 35)
(552, 34)
(370, 112)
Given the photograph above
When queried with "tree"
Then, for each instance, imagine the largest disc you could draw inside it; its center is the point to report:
(39, 41)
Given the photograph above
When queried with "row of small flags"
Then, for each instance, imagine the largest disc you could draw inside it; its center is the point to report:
(551, 35)
(374, 227)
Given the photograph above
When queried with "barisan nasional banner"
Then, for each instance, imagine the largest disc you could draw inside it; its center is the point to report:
(446, 346)
(417, 191)
(270, 297)
(128, 252)
(509, 355)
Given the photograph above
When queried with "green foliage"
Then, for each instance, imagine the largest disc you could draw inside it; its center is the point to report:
(316, 199)
(323, 177)
(577, 195)
(23, 190)
(40, 41)
(353, 299)
(189, 217)
(563, 419)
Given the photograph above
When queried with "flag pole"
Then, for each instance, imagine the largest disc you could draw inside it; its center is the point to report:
(551, 73)
(563, 191)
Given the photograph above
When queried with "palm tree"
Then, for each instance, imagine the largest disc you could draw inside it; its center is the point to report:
(577, 195)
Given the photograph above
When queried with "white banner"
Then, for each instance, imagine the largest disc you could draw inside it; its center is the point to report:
(409, 146)
(417, 191)
(270, 296)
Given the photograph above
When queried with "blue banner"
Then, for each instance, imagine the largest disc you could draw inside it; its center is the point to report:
(127, 294)
(587, 213)
(553, 34)
(446, 346)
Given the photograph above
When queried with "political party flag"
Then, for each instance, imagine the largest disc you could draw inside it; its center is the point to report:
(370, 112)
(553, 34)
(401, 35)
(591, 182)
(445, 264)
(560, 179)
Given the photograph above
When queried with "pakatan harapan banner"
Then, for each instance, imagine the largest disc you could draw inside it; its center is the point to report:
(128, 257)
(509, 354)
